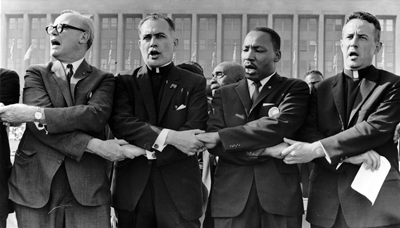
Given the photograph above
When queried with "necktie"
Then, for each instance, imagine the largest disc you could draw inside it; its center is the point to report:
(256, 91)
(70, 71)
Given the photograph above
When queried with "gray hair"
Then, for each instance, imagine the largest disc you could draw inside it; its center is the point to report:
(87, 25)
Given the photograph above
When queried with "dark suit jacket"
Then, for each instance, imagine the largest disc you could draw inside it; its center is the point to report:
(242, 129)
(72, 120)
(134, 120)
(371, 124)
(9, 94)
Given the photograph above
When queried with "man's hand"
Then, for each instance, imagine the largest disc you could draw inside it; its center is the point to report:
(396, 135)
(371, 158)
(17, 113)
(301, 152)
(210, 139)
(275, 151)
(111, 150)
(186, 141)
(132, 151)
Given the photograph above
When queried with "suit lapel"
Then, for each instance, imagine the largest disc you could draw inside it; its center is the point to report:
(169, 88)
(82, 72)
(338, 96)
(242, 90)
(58, 73)
(272, 83)
(366, 88)
(143, 79)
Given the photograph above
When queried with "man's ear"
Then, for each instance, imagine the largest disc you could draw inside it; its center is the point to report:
(378, 47)
(84, 38)
(176, 42)
(278, 56)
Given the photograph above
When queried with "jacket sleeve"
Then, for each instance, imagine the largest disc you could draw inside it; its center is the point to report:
(71, 138)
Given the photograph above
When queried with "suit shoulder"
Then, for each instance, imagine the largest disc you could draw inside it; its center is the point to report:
(8, 73)
(189, 75)
(388, 76)
(294, 81)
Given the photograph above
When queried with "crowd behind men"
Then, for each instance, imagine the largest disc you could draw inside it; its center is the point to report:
(160, 121)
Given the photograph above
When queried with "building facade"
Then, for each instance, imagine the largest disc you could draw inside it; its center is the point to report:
(209, 31)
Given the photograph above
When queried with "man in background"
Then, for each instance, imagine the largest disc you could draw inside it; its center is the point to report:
(226, 73)
(9, 94)
(312, 77)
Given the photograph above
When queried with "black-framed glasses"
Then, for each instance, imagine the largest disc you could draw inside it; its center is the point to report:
(60, 28)
(218, 75)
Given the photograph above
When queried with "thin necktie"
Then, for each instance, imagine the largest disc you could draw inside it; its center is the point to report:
(70, 71)
(256, 91)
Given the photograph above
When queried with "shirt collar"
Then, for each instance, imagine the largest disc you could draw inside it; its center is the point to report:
(263, 81)
(75, 64)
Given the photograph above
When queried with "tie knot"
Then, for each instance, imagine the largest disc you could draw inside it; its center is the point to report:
(257, 84)
(70, 70)
(70, 67)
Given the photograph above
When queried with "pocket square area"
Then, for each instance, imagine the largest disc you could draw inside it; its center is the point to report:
(180, 107)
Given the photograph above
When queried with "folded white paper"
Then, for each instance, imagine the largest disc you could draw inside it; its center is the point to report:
(369, 183)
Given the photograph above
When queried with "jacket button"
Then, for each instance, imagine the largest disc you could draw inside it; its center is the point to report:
(155, 146)
(60, 161)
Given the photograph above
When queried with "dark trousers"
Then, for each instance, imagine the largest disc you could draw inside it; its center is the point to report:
(155, 208)
(63, 210)
(254, 216)
(340, 222)
(3, 221)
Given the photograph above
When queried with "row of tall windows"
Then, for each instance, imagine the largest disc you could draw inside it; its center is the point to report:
(301, 52)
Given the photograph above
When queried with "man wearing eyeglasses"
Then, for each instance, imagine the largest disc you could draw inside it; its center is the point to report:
(60, 174)
(226, 73)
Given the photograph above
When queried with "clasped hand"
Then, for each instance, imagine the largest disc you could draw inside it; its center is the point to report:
(301, 152)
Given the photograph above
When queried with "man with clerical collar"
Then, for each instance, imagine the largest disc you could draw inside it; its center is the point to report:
(60, 177)
(159, 108)
(351, 121)
(257, 112)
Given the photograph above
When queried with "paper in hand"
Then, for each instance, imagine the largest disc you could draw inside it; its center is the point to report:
(368, 183)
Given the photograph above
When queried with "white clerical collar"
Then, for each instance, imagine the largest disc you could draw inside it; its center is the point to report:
(158, 68)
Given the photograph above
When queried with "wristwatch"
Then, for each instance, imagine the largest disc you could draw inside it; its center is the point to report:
(38, 115)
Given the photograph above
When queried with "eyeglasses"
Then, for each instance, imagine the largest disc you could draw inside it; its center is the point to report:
(218, 75)
(60, 28)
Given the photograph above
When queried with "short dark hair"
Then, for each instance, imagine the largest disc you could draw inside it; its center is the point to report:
(158, 16)
(192, 66)
(367, 17)
(275, 38)
(313, 72)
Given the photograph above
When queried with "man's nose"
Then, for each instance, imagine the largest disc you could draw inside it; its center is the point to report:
(153, 42)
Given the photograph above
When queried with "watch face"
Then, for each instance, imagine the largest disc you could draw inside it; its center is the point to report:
(38, 115)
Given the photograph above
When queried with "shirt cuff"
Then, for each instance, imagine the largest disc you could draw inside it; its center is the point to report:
(328, 159)
(159, 144)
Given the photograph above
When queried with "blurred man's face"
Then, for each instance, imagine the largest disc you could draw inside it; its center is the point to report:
(219, 78)
(313, 79)
(358, 44)
(157, 43)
